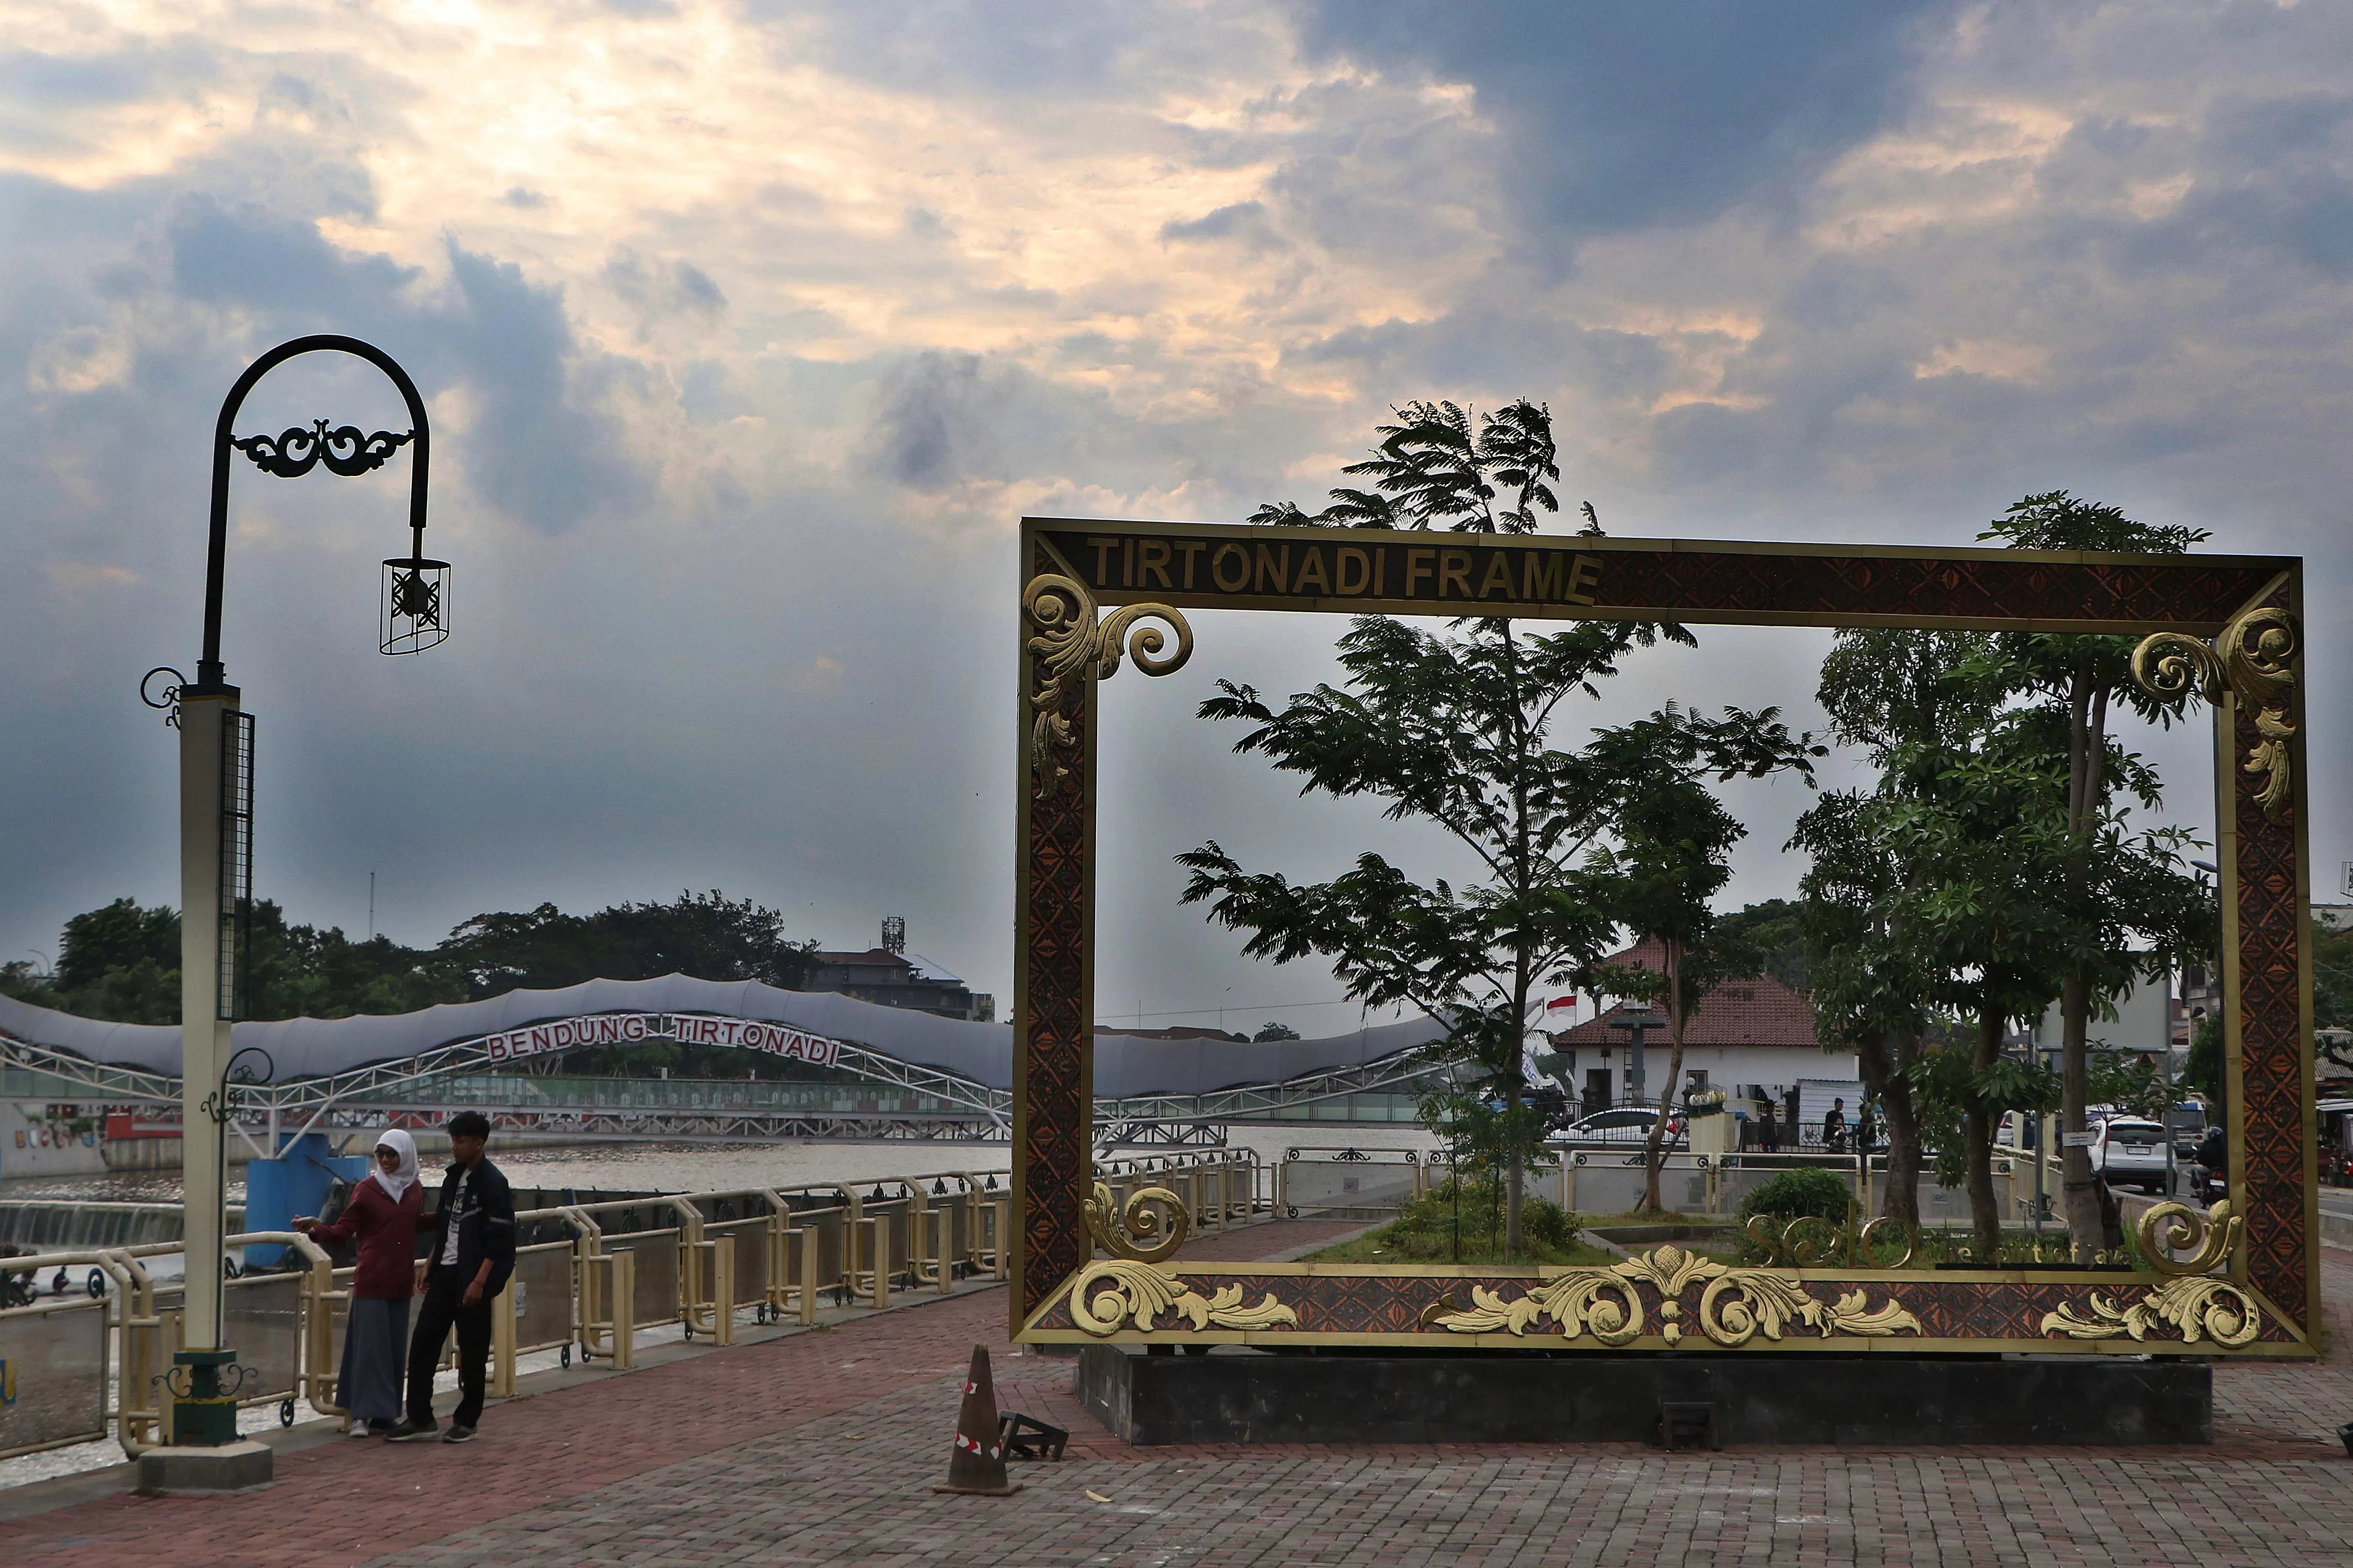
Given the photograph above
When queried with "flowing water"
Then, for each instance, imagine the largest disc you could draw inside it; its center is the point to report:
(706, 1167)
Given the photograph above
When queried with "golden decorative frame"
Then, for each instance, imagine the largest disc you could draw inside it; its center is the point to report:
(2227, 627)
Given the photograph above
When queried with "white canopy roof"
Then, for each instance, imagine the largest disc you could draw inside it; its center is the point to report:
(1125, 1066)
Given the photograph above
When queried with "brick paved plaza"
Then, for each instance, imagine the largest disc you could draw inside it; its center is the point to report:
(822, 1447)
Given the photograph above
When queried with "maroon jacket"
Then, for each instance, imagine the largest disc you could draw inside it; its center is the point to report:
(387, 1238)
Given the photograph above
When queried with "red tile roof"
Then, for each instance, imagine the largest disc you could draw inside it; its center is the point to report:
(1759, 1011)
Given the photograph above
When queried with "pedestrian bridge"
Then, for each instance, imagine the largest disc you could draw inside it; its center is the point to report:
(901, 1073)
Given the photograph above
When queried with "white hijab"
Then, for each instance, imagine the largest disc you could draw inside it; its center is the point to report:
(400, 1181)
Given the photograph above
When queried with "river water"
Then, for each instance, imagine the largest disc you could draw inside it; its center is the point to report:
(704, 1167)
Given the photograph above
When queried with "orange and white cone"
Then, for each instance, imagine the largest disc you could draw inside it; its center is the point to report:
(976, 1463)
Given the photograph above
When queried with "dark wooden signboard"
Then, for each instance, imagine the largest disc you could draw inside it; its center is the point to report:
(2225, 626)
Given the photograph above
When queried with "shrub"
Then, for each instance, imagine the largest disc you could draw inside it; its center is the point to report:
(1424, 1229)
(1792, 1195)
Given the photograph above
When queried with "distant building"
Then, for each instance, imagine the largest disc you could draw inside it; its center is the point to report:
(901, 980)
(1752, 1039)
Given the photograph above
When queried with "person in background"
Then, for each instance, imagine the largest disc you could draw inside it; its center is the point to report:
(381, 1216)
(472, 1257)
(1769, 1130)
(1834, 1127)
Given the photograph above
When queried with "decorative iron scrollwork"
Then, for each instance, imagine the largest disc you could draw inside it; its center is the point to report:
(1141, 1292)
(1128, 1231)
(1074, 647)
(344, 450)
(2195, 1306)
(2215, 1234)
(1736, 1305)
(2255, 660)
(1809, 1240)
(165, 698)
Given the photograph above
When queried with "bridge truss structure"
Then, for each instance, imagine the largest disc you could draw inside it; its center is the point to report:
(427, 1087)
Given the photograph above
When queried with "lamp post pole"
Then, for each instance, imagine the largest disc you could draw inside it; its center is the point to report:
(1634, 1023)
(217, 845)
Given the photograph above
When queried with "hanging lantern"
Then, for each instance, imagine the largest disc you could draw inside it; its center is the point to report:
(415, 604)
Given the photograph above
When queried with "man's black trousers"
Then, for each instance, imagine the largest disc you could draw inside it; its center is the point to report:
(442, 1309)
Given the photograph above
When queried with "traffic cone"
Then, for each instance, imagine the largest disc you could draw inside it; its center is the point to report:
(976, 1463)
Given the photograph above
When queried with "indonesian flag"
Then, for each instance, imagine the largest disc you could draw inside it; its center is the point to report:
(1560, 1004)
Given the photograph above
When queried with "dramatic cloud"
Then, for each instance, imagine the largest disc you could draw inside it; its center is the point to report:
(749, 329)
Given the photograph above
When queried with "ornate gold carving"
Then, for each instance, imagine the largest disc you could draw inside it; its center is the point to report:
(1795, 1245)
(2255, 658)
(1143, 1292)
(2215, 1234)
(1073, 647)
(2198, 1307)
(1128, 1232)
(1738, 1304)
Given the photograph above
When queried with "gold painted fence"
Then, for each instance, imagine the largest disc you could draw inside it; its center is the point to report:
(86, 1365)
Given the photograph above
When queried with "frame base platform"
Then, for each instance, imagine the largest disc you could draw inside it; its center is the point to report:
(1236, 1395)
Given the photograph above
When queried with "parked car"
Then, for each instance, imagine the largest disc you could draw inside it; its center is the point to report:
(2130, 1152)
(1626, 1127)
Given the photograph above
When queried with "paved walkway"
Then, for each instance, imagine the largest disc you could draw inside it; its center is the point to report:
(822, 1447)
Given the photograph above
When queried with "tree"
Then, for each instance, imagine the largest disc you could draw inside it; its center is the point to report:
(2076, 679)
(1673, 837)
(1910, 701)
(120, 963)
(1454, 729)
(1775, 930)
(1270, 1032)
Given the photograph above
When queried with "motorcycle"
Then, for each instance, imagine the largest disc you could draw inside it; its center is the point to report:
(2208, 1186)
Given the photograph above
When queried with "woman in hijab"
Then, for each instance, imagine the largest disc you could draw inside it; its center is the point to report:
(382, 1215)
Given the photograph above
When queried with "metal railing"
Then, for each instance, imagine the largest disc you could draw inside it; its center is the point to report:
(589, 1278)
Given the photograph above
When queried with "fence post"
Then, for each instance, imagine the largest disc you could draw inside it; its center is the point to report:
(624, 1266)
(502, 1343)
(808, 1237)
(1000, 1231)
(723, 1290)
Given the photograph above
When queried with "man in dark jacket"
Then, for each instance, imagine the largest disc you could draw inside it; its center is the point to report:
(472, 1256)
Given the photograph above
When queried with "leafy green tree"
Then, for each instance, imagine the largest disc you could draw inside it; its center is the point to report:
(2117, 885)
(1911, 702)
(1455, 730)
(1775, 930)
(706, 935)
(1674, 838)
(2202, 1071)
(122, 962)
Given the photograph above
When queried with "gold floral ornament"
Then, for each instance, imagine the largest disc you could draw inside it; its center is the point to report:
(2196, 1306)
(2221, 1227)
(1129, 1232)
(1737, 1305)
(2255, 659)
(1072, 646)
(1142, 1292)
(1808, 1240)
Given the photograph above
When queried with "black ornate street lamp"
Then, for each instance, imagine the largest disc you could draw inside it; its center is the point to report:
(217, 838)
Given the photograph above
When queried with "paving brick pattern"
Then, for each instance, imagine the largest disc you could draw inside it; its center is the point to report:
(822, 1447)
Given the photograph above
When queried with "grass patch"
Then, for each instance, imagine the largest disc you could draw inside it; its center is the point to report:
(1436, 1229)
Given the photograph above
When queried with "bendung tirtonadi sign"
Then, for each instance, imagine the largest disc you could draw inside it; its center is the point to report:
(686, 1028)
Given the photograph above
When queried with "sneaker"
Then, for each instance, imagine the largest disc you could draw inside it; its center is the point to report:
(410, 1432)
(460, 1434)
(379, 1427)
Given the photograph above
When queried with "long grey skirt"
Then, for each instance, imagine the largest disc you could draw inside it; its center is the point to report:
(375, 1359)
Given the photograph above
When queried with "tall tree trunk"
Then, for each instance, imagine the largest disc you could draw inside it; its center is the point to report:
(2087, 758)
(1977, 1128)
(1522, 968)
(1883, 1058)
(1654, 1146)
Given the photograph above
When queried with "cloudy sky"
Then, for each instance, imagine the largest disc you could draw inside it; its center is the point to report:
(750, 328)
